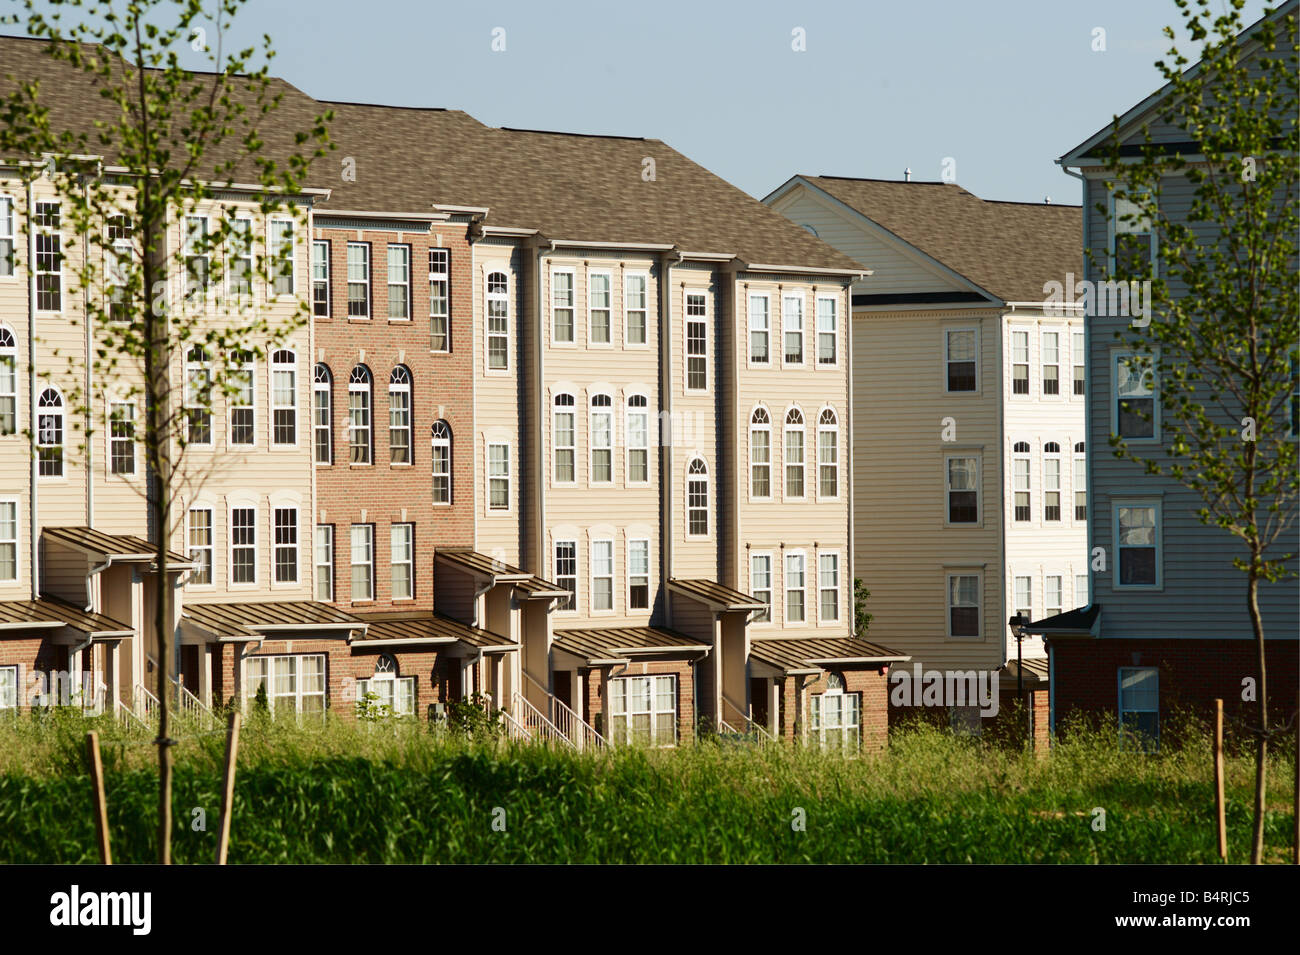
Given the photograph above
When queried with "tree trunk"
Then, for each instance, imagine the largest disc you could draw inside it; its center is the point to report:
(1261, 741)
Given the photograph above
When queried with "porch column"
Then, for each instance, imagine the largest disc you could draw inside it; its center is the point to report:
(717, 670)
(205, 677)
(774, 707)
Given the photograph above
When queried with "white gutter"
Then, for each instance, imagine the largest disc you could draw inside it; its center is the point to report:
(631, 246)
(90, 399)
(666, 464)
(857, 274)
(543, 415)
(404, 216)
(707, 256)
(509, 232)
(460, 210)
(31, 388)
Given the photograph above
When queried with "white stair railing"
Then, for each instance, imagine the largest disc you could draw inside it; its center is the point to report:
(128, 718)
(538, 725)
(146, 704)
(577, 730)
(515, 729)
(747, 724)
(191, 705)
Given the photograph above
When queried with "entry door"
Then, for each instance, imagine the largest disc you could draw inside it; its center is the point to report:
(562, 680)
(758, 693)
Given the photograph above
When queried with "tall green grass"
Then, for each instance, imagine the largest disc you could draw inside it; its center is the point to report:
(343, 792)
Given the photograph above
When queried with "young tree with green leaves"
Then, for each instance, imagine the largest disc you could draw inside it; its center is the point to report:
(1220, 349)
(158, 150)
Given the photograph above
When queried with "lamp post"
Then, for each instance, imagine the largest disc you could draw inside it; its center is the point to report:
(1018, 624)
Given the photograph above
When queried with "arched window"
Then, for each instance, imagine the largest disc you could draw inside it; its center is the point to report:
(1080, 447)
(1080, 482)
(638, 439)
(441, 463)
(760, 454)
(198, 395)
(1051, 481)
(322, 405)
(836, 716)
(386, 693)
(794, 453)
(49, 433)
(1021, 447)
(498, 320)
(241, 397)
(828, 454)
(399, 415)
(1021, 469)
(563, 431)
(8, 381)
(602, 439)
(284, 397)
(697, 498)
(359, 405)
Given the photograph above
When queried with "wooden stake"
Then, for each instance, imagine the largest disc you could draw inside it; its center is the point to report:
(228, 787)
(1295, 805)
(101, 805)
(1218, 780)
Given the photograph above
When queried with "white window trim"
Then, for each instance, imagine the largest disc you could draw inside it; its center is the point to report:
(1116, 355)
(34, 266)
(12, 236)
(229, 253)
(979, 489)
(248, 695)
(839, 456)
(14, 668)
(802, 428)
(573, 305)
(1027, 457)
(839, 587)
(1137, 501)
(592, 576)
(230, 547)
(109, 440)
(771, 455)
(62, 444)
(1015, 598)
(407, 388)
(366, 388)
(407, 284)
(948, 578)
(445, 278)
(11, 352)
(1079, 360)
(649, 443)
(627, 338)
(271, 294)
(803, 328)
(1119, 698)
(749, 326)
(329, 292)
(627, 739)
(326, 388)
(786, 588)
(488, 298)
(1061, 606)
(572, 411)
(708, 498)
(368, 282)
(1059, 490)
(206, 367)
(409, 564)
(297, 549)
(649, 574)
(944, 332)
(839, 333)
(575, 576)
(591, 342)
(687, 319)
(591, 439)
(771, 588)
(17, 540)
(272, 366)
(322, 531)
(488, 478)
(435, 443)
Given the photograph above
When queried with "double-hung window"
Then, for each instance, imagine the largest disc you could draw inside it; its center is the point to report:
(498, 455)
(1020, 471)
(498, 321)
(697, 498)
(1024, 597)
(242, 376)
(8, 381)
(284, 397)
(1080, 482)
(441, 462)
(402, 561)
(8, 687)
(121, 437)
(1020, 363)
(828, 584)
(9, 540)
(239, 258)
(286, 545)
(1135, 396)
(281, 242)
(322, 404)
(602, 575)
(796, 584)
(602, 439)
(399, 416)
(1133, 239)
(828, 455)
(697, 342)
(320, 278)
(1051, 358)
(325, 562)
(440, 299)
(827, 331)
(564, 437)
(562, 307)
(760, 585)
(638, 439)
(760, 454)
(49, 433)
(600, 302)
(359, 405)
(49, 257)
(1137, 544)
(399, 283)
(6, 236)
(1051, 481)
(243, 545)
(1053, 595)
(358, 280)
(643, 710)
(197, 252)
(794, 453)
(1077, 356)
(119, 260)
(760, 329)
(198, 532)
(638, 574)
(960, 345)
(792, 325)
(1081, 590)
(635, 304)
(963, 605)
(363, 562)
(963, 490)
(836, 717)
(198, 395)
(566, 574)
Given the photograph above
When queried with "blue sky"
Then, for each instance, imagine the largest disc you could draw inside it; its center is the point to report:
(1002, 88)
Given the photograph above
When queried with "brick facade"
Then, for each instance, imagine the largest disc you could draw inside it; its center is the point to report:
(595, 680)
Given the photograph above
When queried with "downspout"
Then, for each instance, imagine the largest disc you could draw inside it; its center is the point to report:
(666, 464)
(1002, 477)
(849, 417)
(90, 401)
(31, 385)
(540, 409)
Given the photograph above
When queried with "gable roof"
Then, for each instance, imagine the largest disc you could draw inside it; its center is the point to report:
(1135, 115)
(1008, 249)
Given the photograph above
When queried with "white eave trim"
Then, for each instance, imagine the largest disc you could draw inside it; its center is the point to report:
(396, 216)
